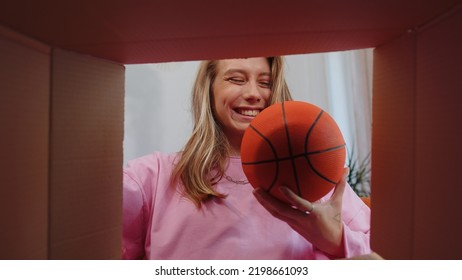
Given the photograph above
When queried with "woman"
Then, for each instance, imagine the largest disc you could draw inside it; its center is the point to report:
(197, 204)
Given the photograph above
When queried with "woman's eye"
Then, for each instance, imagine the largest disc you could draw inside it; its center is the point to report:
(236, 80)
(265, 84)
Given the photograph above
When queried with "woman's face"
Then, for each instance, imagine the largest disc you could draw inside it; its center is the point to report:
(241, 90)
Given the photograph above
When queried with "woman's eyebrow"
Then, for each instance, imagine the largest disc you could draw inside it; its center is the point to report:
(233, 71)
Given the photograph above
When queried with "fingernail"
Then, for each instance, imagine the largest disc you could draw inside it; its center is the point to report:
(346, 171)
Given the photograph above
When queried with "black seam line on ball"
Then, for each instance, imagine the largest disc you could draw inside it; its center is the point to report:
(306, 149)
(311, 129)
(294, 157)
(319, 173)
(275, 156)
(289, 144)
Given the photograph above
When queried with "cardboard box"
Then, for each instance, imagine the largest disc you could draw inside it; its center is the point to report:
(416, 156)
(61, 101)
(24, 133)
(62, 131)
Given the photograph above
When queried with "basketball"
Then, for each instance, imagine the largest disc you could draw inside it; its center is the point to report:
(295, 144)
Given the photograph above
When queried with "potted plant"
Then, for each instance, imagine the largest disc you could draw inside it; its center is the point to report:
(359, 176)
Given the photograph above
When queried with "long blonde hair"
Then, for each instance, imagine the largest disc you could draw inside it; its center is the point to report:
(205, 156)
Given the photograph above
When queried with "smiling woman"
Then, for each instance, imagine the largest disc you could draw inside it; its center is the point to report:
(197, 203)
(241, 89)
(222, 89)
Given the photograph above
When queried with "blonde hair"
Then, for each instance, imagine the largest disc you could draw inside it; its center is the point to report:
(202, 163)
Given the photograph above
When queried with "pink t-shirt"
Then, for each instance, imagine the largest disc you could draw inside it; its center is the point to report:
(160, 223)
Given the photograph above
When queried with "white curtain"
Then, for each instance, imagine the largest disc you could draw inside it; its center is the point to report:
(341, 84)
(157, 99)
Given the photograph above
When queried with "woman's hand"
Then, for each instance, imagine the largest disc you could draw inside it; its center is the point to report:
(319, 223)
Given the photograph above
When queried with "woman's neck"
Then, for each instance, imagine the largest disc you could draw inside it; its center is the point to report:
(234, 152)
(235, 146)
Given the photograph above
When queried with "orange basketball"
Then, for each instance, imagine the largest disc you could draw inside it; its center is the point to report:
(295, 144)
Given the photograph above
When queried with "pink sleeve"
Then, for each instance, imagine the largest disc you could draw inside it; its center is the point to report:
(134, 226)
(356, 221)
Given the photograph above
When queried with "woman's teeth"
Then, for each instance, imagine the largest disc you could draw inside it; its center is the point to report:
(250, 113)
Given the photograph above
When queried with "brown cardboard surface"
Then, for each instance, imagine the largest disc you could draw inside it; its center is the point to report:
(155, 31)
(86, 157)
(438, 190)
(393, 155)
(416, 143)
(24, 130)
(61, 186)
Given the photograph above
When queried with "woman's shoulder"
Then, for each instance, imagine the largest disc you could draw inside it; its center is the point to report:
(151, 164)
(152, 160)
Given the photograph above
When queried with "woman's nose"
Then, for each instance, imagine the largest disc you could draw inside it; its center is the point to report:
(252, 92)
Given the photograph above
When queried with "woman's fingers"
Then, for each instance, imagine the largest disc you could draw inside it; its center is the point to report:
(276, 207)
(298, 202)
(298, 207)
(340, 187)
(323, 228)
